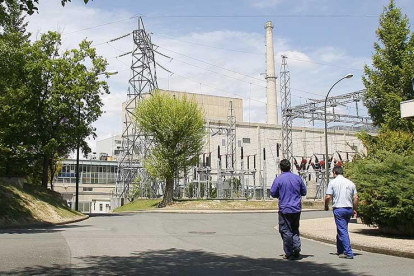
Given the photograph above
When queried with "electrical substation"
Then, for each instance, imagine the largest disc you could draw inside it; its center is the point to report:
(240, 158)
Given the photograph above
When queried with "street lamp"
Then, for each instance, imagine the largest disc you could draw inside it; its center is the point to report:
(326, 130)
(412, 82)
(108, 73)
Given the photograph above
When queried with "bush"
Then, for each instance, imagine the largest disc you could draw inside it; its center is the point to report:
(388, 140)
(385, 184)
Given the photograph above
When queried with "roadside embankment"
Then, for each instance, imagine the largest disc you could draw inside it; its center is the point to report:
(31, 206)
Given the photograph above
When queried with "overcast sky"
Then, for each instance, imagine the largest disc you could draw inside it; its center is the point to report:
(323, 39)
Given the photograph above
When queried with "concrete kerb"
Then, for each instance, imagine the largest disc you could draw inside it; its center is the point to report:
(363, 247)
(43, 224)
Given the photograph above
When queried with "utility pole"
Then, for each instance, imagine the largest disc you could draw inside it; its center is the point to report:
(77, 161)
(286, 110)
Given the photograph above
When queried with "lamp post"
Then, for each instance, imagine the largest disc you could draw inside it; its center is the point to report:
(326, 129)
(108, 73)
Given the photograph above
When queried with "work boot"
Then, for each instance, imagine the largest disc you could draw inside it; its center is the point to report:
(344, 256)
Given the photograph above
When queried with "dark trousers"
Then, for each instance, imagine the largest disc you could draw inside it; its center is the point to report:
(289, 230)
(342, 217)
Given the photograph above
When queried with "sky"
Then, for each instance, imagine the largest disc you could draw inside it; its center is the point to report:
(214, 46)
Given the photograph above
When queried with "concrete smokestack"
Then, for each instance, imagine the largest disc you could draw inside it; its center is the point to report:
(272, 117)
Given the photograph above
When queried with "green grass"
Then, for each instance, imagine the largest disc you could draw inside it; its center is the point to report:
(147, 204)
(32, 205)
(198, 204)
(224, 205)
(139, 204)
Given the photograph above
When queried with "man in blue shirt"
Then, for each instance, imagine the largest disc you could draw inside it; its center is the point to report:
(289, 189)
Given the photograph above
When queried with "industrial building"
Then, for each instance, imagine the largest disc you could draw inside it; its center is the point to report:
(97, 182)
(261, 144)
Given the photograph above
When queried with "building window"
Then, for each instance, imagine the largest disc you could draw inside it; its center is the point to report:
(246, 140)
(87, 189)
(100, 207)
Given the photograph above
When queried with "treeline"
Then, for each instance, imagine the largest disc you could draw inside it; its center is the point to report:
(384, 175)
(49, 97)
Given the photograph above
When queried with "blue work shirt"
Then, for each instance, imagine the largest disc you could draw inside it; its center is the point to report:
(288, 188)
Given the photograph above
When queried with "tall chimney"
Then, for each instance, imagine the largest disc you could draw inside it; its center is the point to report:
(272, 117)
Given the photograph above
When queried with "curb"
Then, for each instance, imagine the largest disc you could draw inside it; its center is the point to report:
(42, 224)
(371, 249)
(210, 211)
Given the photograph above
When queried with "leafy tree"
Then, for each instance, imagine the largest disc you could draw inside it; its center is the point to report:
(400, 142)
(17, 157)
(29, 6)
(386, 191)
(177, 128)
(65, 97)
(50, 103)
(14, 27)
(388, 82)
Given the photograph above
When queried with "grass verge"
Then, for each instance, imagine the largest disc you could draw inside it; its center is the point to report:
(33, 205)
(191, 204)
(139, 204)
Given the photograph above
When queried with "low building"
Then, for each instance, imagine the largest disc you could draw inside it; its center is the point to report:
(96, 182)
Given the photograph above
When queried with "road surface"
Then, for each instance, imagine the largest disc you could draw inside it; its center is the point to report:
(178, 244)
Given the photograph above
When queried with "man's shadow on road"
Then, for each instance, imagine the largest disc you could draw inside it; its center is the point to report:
(185, 262)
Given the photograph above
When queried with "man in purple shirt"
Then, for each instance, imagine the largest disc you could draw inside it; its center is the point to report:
(289, 189)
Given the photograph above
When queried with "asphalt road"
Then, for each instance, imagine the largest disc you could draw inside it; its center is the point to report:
(178, 244)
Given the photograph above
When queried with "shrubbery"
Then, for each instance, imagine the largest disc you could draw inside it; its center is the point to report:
(385, 184)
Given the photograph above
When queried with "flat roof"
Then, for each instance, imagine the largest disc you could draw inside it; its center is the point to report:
(90, 162)
(200, 94)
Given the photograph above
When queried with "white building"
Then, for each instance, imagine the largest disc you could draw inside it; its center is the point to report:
(97, 181)
(109, 148)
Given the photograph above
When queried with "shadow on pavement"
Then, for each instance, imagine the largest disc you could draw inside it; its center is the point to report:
(185, 262)
(45, 229)
(111, 215)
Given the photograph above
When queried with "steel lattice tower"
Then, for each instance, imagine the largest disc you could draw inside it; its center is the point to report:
(135, 145)
(231, 139)
(286, 110)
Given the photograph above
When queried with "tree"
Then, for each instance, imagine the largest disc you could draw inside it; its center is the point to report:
(388, 82)
(50, 103)
(14, 27)
(65, 97)
(177, 129)
(17, 157)
(399, 142)
(29, 6)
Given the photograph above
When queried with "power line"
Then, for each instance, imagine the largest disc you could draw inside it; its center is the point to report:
(124, 54)
(270, 16)
(101, 25)
(211, 64)
(242, 74)
(253, 53)
(229, 16)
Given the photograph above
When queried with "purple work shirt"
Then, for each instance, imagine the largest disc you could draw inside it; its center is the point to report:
(288, 188)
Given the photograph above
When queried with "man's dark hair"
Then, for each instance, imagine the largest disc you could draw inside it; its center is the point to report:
(285, 165)
(338, 170)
